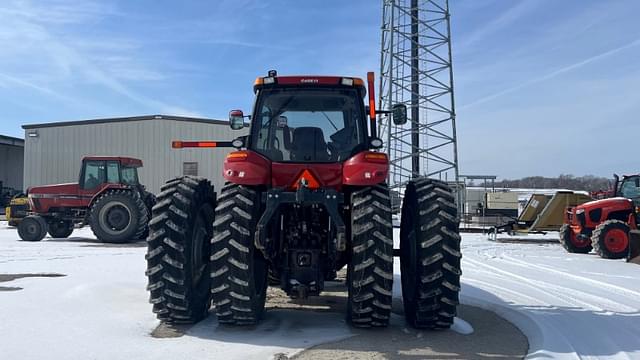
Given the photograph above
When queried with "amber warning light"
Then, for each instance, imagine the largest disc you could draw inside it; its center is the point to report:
(176, 144)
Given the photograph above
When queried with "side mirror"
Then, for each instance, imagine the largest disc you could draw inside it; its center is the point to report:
(375, 143)
(399, 114)
(236, 119)
(238, 143)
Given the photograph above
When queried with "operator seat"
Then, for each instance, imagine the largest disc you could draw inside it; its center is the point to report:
(308, 145)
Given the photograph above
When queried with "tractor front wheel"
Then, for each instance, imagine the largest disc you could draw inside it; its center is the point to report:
(429, 254)
(572, 242)
(370, 271)
(118, 216)
(610, 239)
(32, 228)
(60, 229)
(238, 270)
(178, 248)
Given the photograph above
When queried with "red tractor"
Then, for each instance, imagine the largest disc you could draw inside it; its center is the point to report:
(305, 196)
(604, 224)
(108, 197)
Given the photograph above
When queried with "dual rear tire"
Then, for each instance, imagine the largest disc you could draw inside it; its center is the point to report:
(370, 271)
(185, 226)
(178, 250)
(429, 254)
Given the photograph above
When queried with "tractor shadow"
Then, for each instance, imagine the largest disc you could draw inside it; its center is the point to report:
(89, 242)
(11, 277)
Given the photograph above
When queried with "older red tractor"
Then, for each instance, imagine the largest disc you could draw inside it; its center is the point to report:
(305, 196)
(603, 225)
(108, 197)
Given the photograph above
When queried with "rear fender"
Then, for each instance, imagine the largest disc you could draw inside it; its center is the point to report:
(105, 188)
(365, 169)
(247, 167)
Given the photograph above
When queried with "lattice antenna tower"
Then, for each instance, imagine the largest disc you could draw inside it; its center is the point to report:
(416, 69)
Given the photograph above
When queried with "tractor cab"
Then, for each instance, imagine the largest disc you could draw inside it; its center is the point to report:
(98, 171)
(312, 129)
(628, 187)
(309, 120)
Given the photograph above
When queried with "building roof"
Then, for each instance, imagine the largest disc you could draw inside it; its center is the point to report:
(125, 119)
(9, 140)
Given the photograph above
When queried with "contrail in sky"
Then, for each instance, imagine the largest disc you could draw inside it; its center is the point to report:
(551, 74)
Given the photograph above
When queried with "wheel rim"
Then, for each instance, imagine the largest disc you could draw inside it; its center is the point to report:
(576, 241)
(198, 251)
(32, 228)
(116, 217)
(616, 240)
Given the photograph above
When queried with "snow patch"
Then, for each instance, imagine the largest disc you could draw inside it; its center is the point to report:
(461, 327)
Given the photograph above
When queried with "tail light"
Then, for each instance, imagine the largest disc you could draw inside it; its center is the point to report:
(237, 156)
(375, 157)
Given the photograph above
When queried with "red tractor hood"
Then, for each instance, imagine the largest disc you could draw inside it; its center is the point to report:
(617, 202)
(58, 189)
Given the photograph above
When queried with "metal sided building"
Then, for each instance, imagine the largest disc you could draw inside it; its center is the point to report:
(11, 162)
(53, 151)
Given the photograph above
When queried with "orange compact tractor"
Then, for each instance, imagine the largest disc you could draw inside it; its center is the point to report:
(306, 195)
(603, 225)
(108, 197)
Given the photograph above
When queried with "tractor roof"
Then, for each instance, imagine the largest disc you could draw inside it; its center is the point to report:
(308, 80)
(127, 161)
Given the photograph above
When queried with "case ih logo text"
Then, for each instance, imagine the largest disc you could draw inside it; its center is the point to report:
(308, 81)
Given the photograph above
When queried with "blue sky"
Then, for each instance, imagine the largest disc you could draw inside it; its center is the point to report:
(543, 87)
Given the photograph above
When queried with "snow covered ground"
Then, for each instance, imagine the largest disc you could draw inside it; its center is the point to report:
(569, 306)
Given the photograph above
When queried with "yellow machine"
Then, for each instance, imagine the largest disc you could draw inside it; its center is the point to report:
(17, 209)
(543, 213)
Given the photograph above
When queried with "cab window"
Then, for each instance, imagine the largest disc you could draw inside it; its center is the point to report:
(94, 174)
(309, 125)
(630, 188)
(113, 173)
(129, 176)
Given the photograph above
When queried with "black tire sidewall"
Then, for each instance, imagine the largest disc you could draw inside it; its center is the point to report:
(600, 235)
(409, 250)
(565, 233)
(41, 229)
(200, 293)
(134, 217)
(60, 229)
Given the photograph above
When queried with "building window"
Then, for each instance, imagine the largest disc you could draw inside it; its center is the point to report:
(190, 168)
